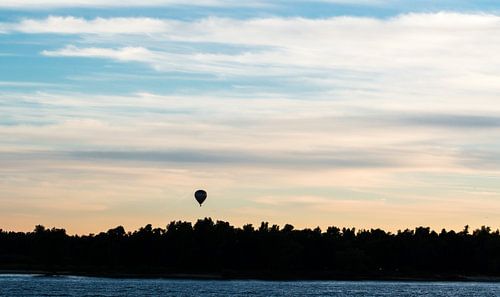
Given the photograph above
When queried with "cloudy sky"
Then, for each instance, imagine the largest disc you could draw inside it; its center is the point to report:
(364, 113)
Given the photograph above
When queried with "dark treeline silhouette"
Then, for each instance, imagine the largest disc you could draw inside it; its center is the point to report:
(220, 250)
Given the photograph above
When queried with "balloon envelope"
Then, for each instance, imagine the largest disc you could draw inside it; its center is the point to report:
(200, 196)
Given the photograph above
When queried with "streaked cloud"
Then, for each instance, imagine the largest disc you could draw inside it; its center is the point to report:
(54, 4)
(28, 84)
(74, 25)
(300, 118)
(50, 4)
(320, 160)
(258, 132)
(430, 47)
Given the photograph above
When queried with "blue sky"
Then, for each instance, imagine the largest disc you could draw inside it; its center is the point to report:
(351, 113)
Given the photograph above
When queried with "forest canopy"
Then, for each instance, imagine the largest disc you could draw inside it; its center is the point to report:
(268, 252)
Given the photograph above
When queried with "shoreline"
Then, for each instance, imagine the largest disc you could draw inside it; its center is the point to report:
(254, 276)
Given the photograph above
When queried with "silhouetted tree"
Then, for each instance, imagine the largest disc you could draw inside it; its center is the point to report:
(268, 252)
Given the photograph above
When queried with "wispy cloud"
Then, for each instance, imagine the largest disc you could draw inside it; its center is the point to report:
(75, 25)
(259, 132)
(115, 157)
(123, 54)
(333, 160)
(50, 4)
(399, 109)
(443, 50)
(29, 84)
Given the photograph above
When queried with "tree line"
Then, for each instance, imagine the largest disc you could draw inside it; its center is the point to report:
(218, 248)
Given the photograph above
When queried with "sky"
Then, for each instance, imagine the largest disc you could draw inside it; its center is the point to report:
(360, 113)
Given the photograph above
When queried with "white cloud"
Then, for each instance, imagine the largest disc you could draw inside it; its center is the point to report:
(124, 54)
(48, 4)
(74, 25)
(262, 130)
(410, 64)
(28, 84)
(218, 64)
(441, 54)
(394, 99)
(307, 157)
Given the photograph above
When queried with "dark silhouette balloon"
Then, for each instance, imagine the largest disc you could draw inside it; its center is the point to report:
(200, 196)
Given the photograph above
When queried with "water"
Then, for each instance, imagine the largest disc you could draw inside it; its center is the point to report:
(32, 285)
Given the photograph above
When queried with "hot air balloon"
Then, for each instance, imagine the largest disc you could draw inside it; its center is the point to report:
(200, 196)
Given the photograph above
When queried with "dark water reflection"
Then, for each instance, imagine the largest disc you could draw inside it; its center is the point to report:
(29, 285)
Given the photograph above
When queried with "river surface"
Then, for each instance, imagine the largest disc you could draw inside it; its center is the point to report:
(33, 285)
